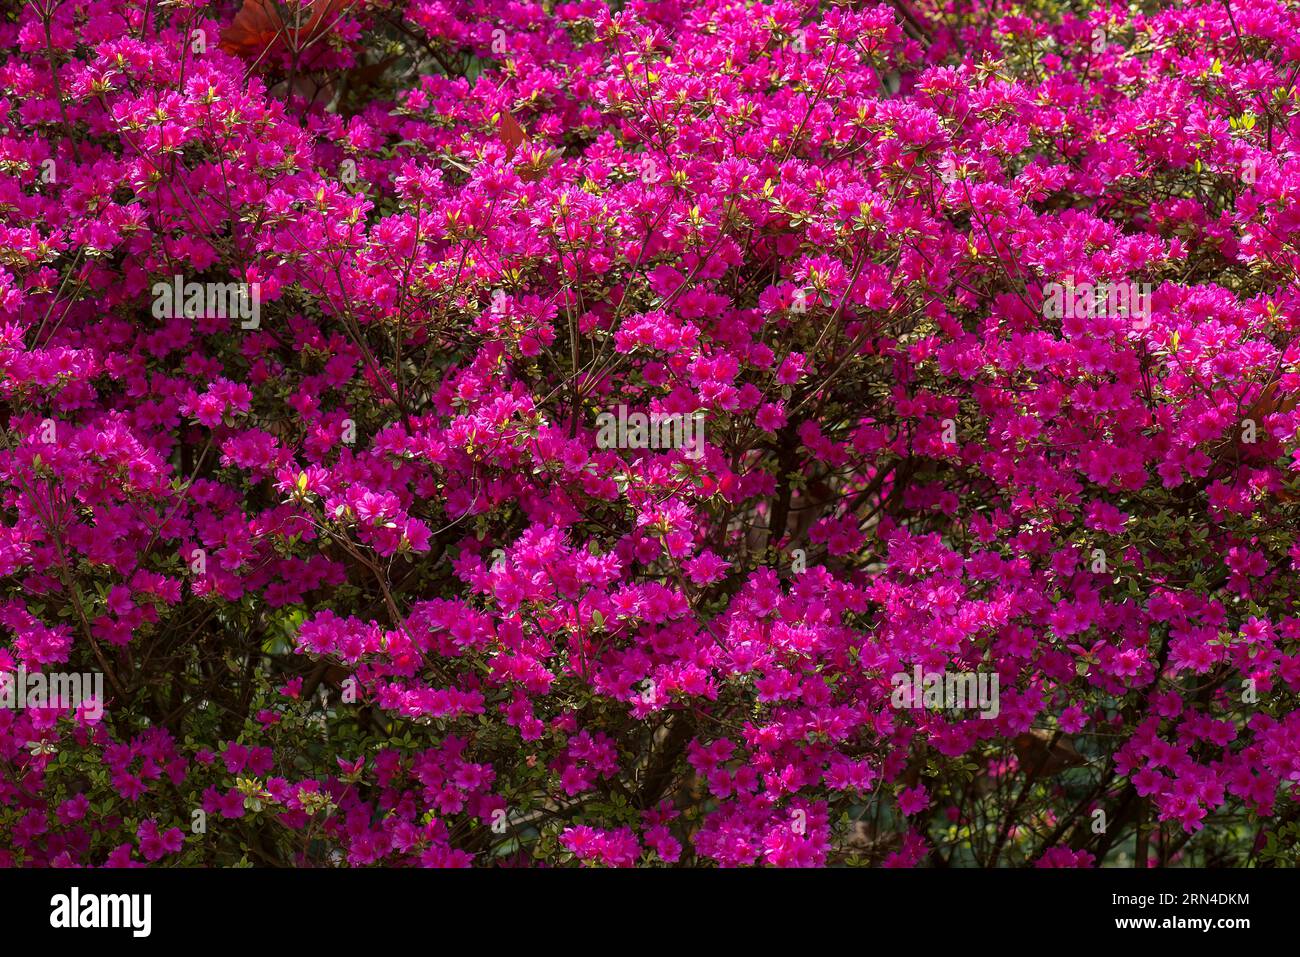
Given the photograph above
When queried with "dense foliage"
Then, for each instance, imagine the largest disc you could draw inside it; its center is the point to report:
(365, 588)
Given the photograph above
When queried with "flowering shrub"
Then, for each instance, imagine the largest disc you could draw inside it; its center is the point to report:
(310, 314)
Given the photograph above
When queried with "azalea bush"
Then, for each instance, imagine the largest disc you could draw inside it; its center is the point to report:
(368, 582)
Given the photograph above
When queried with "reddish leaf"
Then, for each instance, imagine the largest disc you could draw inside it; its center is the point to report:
(258, 25)
(512, 134)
